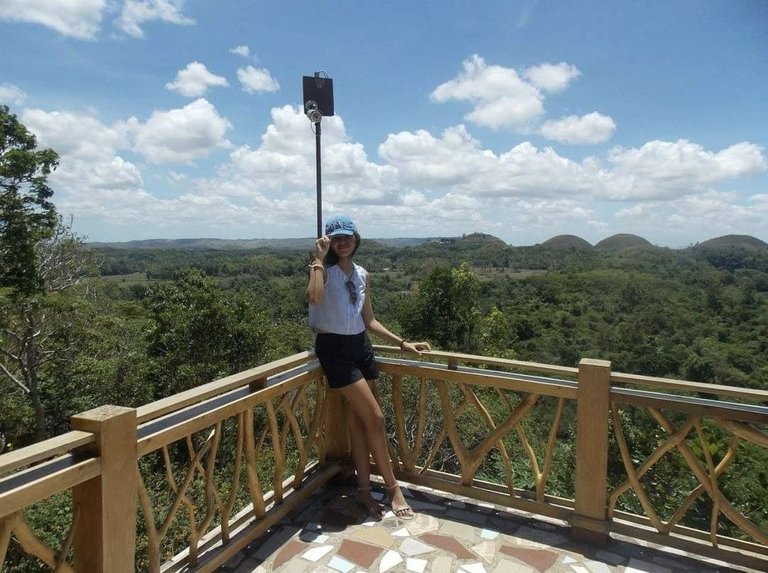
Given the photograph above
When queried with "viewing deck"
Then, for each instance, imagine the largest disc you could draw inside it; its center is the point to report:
(511, 466)
(333, 534)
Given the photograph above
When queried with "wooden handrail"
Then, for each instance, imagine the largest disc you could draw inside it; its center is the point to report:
(193, 418)
(220, 386)
(503, 380)
(752, 394)
(477, 359)
(64, 472)
(717, 409)
(43, 450)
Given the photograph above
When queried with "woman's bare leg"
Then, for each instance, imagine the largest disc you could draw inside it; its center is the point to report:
(361, 459)
(370, 417)
(360, 456)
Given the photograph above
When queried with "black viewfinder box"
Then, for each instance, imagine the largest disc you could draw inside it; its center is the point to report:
(319, 89)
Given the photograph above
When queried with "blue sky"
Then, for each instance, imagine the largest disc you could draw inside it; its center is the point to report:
(525, 120)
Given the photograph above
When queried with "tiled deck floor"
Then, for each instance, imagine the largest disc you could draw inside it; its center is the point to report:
(332, 534)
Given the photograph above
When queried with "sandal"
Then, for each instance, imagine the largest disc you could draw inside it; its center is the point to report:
(364, 498)
(404, 512)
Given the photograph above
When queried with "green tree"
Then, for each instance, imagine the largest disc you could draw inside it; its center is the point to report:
(26, 214)
(497, 335)
(199, 333)
(29, 324)
(445, 310)
(100, 358)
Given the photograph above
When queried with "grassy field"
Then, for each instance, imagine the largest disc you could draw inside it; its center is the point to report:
(133, 278)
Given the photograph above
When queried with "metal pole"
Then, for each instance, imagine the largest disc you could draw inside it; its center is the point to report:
(319, 183)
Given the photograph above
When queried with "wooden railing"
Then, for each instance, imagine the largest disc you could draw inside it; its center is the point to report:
(219, 464)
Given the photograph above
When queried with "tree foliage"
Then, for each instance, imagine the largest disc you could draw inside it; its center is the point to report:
(445, 309)
(649, 310)
(199, 334)
(30, 325)
(27, 215)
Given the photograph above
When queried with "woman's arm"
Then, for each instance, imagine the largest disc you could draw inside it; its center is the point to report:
(316, 285)
(375, 327)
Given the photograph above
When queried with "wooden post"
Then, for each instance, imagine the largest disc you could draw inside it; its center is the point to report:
(592, 409)
(337, 446)
(105, 536)
(258, 384)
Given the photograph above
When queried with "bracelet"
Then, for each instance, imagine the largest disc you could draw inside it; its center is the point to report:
(316, 266)
(401, 344)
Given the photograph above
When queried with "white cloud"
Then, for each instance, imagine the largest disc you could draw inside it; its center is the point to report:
(257, 80)
(501, 98)
(137, 12)
(11, 94)
(425, 160)
(530, 171)
(243, 51)
(285, 162)
(75, 18)
(115, 173)
(544, 215)
(76, 136)
(91, 173)
(456, 161)
(94, 183)
(760, 202)
(421, 183)
(552, 77)
(740, 159)
(194, 80)
(181, 135)
(705, 215)
(591, 128)
(664, 169)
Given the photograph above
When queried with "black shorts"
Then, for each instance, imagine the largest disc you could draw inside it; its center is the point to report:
(346, 358)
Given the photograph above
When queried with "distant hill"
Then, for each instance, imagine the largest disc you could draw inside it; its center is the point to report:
(567, 242)
(561, 242)
(622, 241)
(482, 238)
(207, 243)
(410, 241)
(733, 242)
(238, 244)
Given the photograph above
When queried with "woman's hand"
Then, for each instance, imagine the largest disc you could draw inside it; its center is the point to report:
(321, 248)
(415, 347)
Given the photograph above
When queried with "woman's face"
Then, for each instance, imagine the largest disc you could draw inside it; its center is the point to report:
(343, 245)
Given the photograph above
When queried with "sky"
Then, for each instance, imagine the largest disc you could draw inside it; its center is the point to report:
(521, 119)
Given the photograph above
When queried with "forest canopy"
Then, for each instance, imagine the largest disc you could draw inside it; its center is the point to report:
(155, 321)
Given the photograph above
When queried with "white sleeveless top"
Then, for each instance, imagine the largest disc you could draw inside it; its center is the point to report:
(336, 313)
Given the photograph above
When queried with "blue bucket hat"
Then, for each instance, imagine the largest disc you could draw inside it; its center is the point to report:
(340, 225)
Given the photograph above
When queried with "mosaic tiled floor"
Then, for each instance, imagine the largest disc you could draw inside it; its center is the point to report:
(333, 534)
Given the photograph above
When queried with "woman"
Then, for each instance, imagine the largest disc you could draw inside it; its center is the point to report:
(340, 313)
